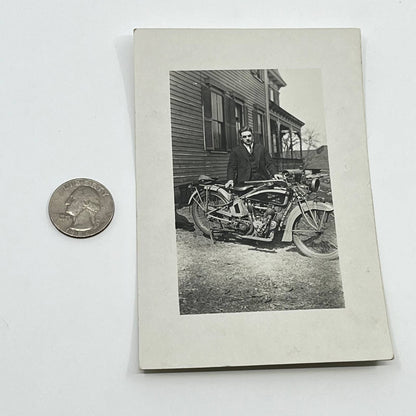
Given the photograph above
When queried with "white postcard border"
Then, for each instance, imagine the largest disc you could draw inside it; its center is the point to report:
(358, 332)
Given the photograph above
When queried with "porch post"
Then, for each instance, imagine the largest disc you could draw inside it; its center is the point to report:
(269, 134)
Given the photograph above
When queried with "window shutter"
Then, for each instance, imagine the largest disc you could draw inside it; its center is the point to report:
(245, 120)
(230, 134)
(207, 112)
(206, 101)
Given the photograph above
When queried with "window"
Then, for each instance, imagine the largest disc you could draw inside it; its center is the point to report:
(220, 118)
(239, 118)
(260, 127)
(274, 95)
(218, 128)
(258, 73)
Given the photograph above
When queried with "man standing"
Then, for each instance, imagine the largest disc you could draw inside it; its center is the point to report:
(249, 161)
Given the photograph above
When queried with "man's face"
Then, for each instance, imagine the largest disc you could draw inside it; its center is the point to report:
(246, 137)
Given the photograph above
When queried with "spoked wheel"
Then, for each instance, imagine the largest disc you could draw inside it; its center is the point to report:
(201, 208)
(314, 234)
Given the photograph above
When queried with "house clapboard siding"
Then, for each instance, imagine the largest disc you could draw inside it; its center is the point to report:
(189, 90)
(190, 159)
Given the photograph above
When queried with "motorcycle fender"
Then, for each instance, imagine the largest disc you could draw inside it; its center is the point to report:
(213, 188)
(287, 235)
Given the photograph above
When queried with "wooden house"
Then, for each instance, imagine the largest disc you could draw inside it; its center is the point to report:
(209, 107)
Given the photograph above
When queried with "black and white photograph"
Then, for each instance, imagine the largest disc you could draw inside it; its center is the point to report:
(254, 211)
(251, 251)
(202, 208)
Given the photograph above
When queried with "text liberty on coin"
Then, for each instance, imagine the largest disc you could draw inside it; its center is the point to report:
(81, 208)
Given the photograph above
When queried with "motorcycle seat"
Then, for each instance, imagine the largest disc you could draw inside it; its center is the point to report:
(244, 188)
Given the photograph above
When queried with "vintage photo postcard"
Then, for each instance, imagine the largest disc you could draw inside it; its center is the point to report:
(256, 235)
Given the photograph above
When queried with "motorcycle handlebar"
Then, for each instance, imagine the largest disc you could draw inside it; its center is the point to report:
(263, 181)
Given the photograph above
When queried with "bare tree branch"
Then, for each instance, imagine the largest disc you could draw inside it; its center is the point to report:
(310, 141)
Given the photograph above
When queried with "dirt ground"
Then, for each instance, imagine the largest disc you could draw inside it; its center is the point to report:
(233, 276)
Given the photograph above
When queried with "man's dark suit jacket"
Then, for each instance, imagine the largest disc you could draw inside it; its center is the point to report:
(239, 166)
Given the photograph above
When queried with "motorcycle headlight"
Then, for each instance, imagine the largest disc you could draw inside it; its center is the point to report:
(294, 175)
(314, 185)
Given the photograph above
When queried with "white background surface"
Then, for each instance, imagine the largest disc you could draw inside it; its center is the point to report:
(68, 326)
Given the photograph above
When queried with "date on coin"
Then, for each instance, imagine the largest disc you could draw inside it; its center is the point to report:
(81, 208)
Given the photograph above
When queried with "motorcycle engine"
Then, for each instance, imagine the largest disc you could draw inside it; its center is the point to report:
(255, 217)
(264, 219)
(241, 226)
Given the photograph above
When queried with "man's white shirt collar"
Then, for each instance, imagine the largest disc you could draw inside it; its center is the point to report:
(248, 147)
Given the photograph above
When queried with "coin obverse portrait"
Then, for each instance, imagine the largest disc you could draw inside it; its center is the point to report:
(81, 208)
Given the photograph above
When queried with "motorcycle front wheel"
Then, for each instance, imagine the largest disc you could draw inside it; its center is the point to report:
(314, 234)
(200, 208)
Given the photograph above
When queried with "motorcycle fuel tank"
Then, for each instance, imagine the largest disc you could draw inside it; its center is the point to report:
(277, 196)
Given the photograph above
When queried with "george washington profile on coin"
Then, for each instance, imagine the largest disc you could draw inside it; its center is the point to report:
(83, 205)
(81, 208)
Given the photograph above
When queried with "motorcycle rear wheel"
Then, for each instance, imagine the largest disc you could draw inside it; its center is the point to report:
(199, 212)
(315, 236)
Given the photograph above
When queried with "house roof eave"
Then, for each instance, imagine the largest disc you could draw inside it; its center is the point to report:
(279, 110)
(275, 75)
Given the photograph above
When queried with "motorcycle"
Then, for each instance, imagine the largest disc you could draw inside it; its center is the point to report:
(258, 210)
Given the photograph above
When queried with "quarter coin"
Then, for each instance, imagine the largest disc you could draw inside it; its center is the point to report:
(81, 208)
